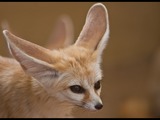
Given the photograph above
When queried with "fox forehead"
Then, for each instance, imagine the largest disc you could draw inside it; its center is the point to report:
(80, 63)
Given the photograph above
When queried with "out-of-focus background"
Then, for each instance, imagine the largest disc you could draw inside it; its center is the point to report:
(131, 60)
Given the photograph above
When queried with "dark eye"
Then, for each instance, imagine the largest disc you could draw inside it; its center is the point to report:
(77, 89)
(97, 85)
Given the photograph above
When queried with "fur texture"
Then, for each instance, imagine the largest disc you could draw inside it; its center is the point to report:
(38, 81)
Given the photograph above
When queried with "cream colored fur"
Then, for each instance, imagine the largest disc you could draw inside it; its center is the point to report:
(36, 83)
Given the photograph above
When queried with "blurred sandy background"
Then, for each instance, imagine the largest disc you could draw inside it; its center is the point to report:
(131, 61)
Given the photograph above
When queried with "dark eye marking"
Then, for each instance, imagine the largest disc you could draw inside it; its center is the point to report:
(97, 85)
(77, 89)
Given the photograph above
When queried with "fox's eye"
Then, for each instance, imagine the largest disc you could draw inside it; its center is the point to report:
(97, 85)
(77, 89)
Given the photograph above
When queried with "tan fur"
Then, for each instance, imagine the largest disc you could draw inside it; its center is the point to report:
(37, 82)
(14, 80)
(19, 89)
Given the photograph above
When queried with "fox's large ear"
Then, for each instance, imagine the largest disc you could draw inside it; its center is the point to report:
(62, 34)
(35, 60)
(5, 26)
(95, 32)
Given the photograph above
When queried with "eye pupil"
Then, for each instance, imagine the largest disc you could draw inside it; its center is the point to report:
(77, 89)
(97, 85)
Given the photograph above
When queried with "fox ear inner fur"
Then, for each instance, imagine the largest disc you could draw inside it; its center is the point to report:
(95, 32)
(34, 59)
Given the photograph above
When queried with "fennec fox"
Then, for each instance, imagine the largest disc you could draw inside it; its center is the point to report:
(41, 82)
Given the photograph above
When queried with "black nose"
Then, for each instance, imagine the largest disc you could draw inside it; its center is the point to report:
(98, 106)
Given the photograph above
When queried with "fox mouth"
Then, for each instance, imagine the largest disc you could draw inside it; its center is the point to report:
(84, 105)
(80, 104)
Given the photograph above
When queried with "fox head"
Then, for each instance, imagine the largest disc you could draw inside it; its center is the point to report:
(70, 74)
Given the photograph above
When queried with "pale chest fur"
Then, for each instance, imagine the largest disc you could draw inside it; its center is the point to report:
(16, 104)
(36, 110)
(50, 110)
